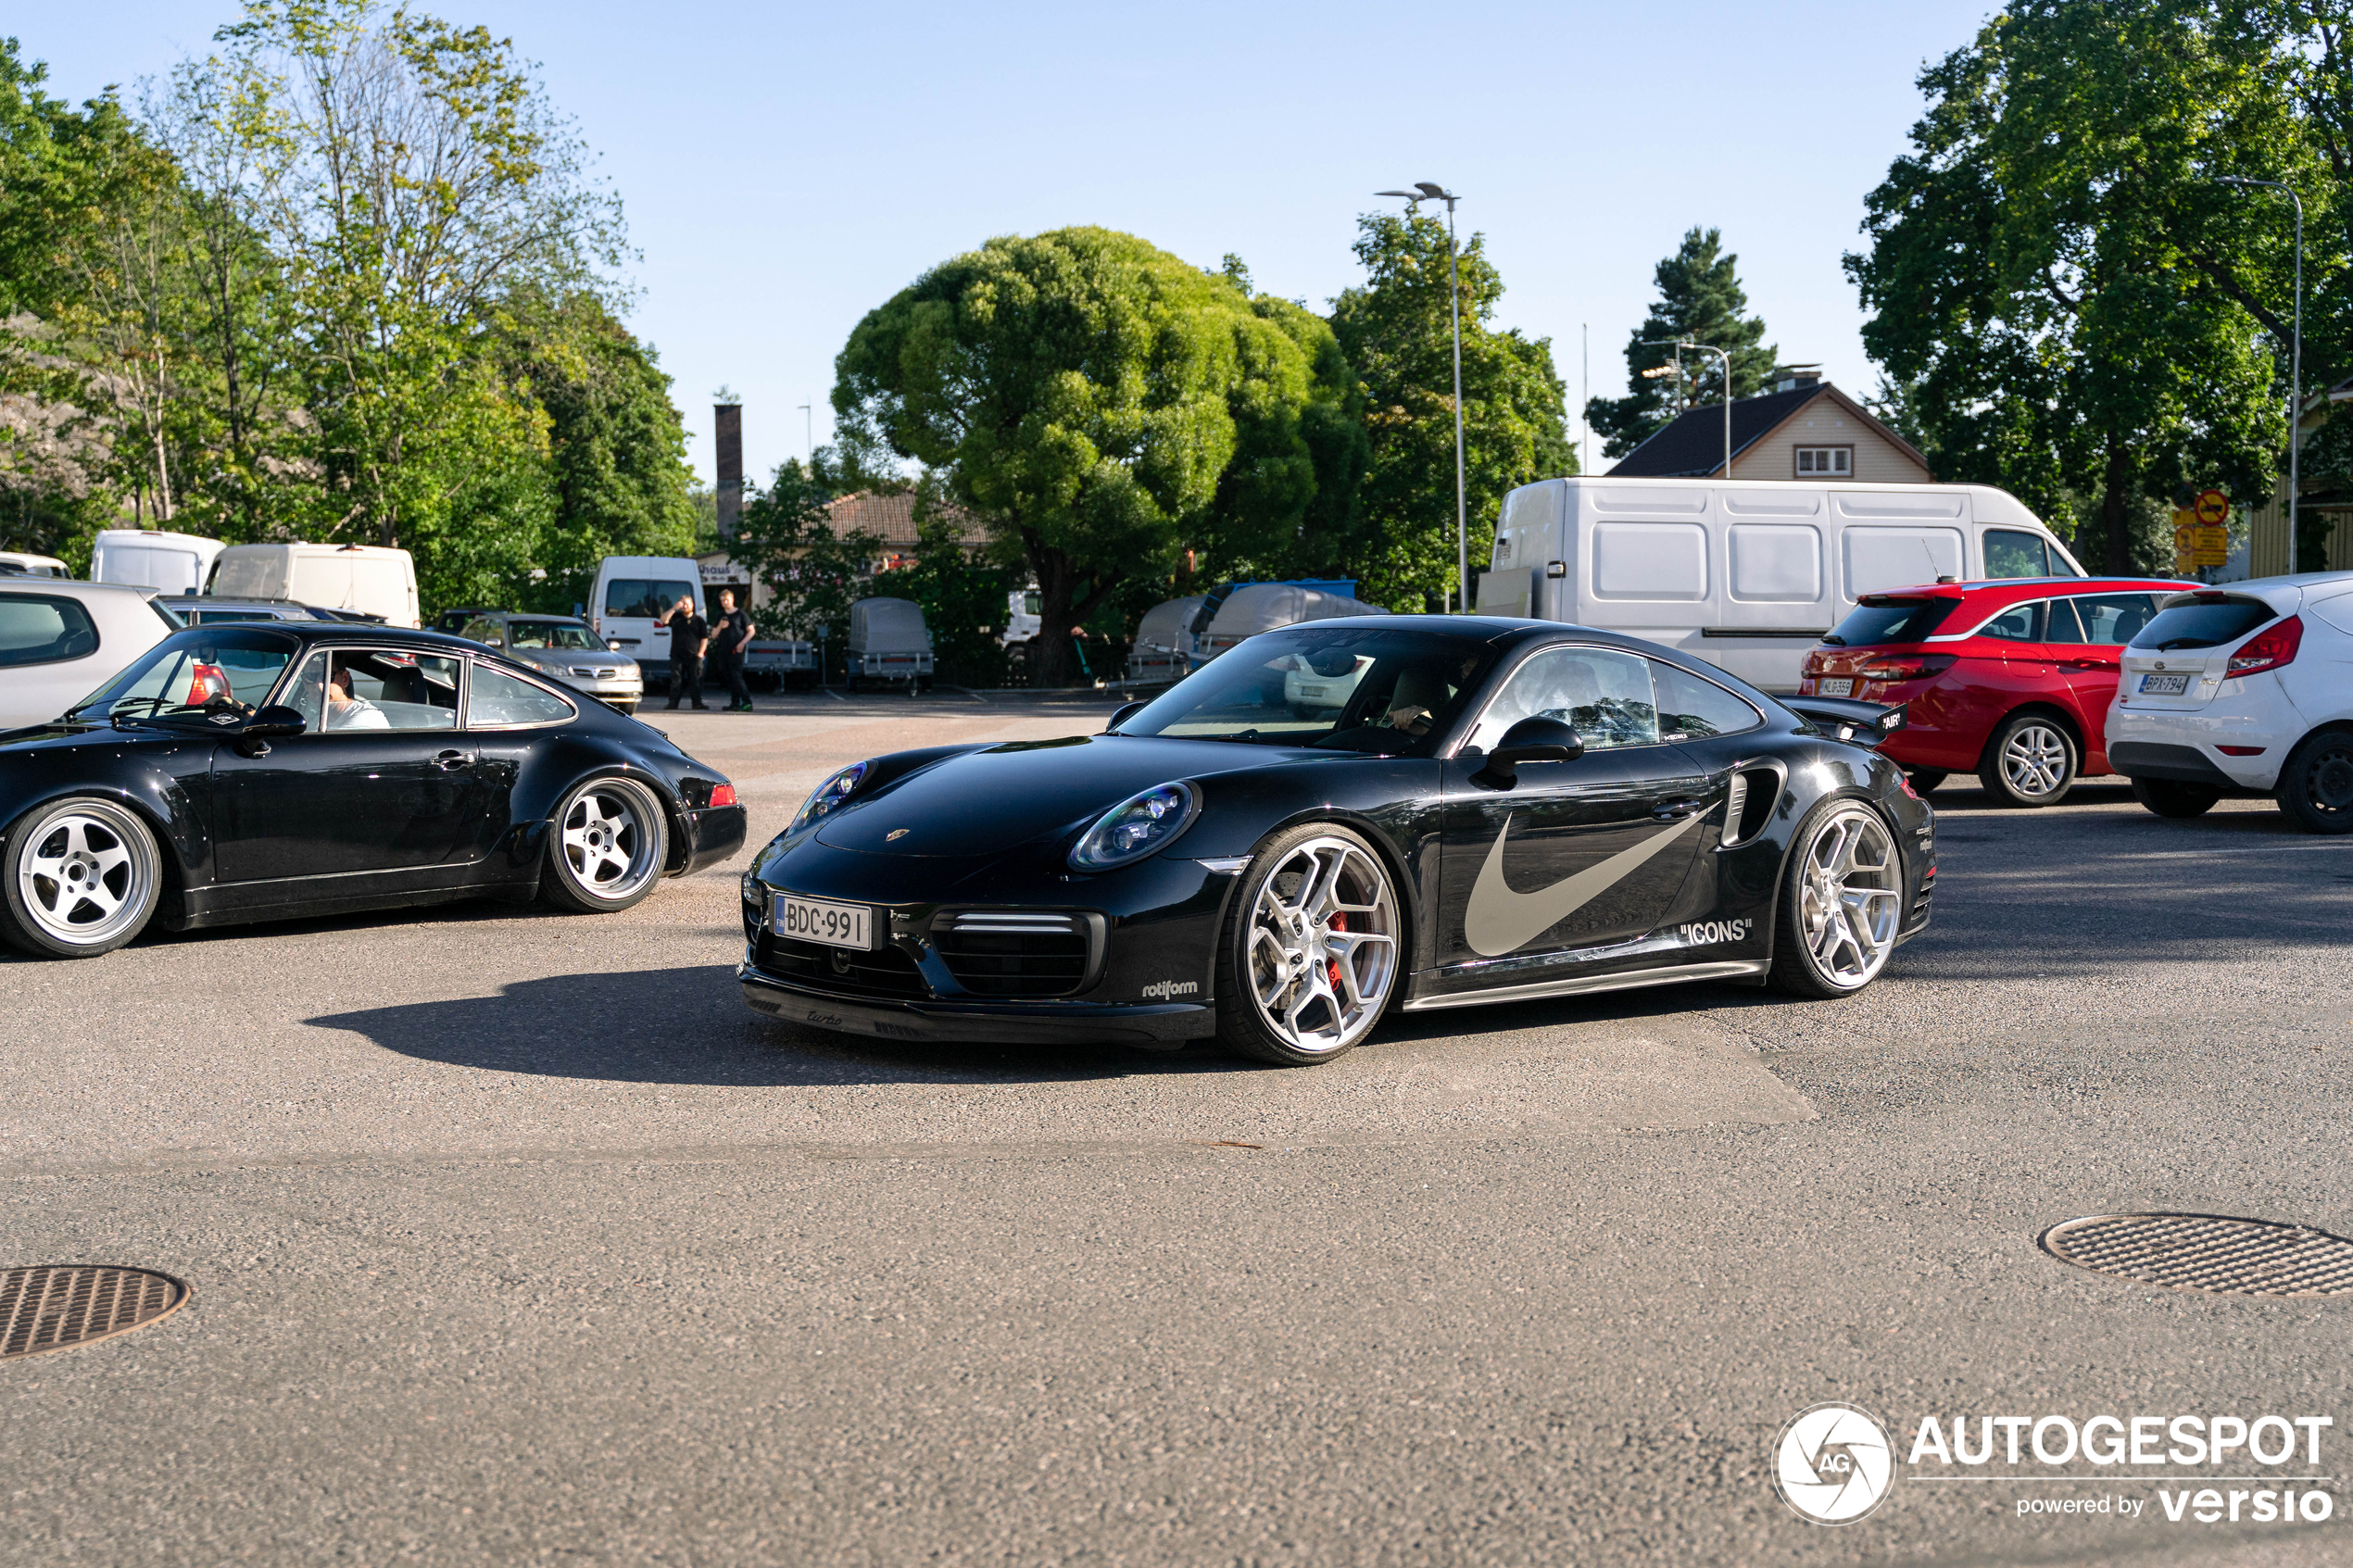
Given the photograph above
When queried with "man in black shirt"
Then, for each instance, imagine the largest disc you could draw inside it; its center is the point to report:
(689, 635)
(730, 640)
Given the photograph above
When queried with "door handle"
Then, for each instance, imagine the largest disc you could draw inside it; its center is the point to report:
(1676, 810)
(2090, 664)
(450, 761)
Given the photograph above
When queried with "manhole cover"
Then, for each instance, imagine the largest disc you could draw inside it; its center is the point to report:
(50, 1308)
(2210, 1252)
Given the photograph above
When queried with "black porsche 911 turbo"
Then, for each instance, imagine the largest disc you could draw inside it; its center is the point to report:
(270, 770)
(1327, 821)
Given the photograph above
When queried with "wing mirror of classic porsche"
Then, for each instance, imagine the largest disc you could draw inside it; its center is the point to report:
(1125, 712)
(274, 722)
(1530, 740)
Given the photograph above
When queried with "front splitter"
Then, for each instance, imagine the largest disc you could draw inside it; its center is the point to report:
(1004, 1024)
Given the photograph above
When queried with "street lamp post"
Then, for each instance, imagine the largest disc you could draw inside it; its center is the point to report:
(2295, 359)
(1682, 342)
(1424, 190)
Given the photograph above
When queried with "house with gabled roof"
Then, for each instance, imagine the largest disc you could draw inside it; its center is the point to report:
(1803, 428)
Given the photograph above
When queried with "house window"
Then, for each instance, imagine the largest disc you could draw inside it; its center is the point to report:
(1833, 462)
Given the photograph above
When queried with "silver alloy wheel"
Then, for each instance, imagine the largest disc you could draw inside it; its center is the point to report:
(1322, 948)
(2034, 759)
(85, 873)
(1852, 896)
(606, 842)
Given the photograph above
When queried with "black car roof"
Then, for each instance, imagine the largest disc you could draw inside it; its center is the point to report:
(1512, 634)
(308, 632)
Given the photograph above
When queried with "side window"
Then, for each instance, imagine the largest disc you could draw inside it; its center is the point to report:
(306, 693)
(500, 701)
(389, 691)
(1604, 696)
(2009, 553)
(2063, 627)
(2114, 617)
(36, 628)
(482, 631)
(1691, 708)
(2019, 623)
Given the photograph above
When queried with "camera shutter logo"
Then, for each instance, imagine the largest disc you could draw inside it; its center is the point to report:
(1832, 1463)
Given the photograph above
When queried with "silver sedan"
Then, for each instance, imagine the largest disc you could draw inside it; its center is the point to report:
(565, 649)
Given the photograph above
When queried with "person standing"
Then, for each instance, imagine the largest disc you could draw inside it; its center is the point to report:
(730, 640)
(689, 638)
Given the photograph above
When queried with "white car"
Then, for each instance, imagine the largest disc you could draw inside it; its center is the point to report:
(1324, 686)
(61, 640)
(2245, 687)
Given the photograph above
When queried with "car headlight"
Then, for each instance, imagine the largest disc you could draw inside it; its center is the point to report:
(829, 796)
(1143, 825)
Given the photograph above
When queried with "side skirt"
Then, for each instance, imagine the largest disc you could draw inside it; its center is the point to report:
(1728, 968)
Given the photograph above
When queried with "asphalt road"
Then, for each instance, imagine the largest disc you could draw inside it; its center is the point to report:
(516, 1238)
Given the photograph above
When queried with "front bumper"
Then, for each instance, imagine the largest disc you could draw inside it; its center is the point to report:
(992, 1023)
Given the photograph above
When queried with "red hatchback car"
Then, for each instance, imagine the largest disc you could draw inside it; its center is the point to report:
(2009, 680)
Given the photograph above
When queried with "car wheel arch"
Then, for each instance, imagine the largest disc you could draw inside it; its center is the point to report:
(2050, 711)
(674, 809)
(180, 848)
(1790, 848)
(1409, 900)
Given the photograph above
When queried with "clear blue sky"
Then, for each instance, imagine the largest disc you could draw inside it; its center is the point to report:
(786, 167)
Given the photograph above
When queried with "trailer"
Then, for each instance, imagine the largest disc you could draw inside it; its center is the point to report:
(889, 642)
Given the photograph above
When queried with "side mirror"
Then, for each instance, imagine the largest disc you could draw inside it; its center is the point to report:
(1531, 740)
(1125, 712)
(275, 721)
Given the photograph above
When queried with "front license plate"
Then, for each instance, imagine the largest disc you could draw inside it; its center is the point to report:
(1843, 687)
(2164, 686)
(836, 925)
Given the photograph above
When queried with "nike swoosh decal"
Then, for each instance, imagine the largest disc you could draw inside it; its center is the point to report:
(1499, 920)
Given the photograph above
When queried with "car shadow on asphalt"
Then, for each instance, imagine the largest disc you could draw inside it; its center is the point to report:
(689, 1026)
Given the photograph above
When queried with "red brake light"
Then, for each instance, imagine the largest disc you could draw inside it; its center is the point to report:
(1910, 667)
(207, 682)
(723, 796)
(2268, 649)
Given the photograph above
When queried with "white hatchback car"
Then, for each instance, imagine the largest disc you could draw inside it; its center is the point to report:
(2249, 686)
(62, 640)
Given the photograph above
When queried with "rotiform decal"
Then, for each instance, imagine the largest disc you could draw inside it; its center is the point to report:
(1161, 990)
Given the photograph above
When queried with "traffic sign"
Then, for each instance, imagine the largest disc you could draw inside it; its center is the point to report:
(2213, 508)
(2184, 542)
(2210, 548)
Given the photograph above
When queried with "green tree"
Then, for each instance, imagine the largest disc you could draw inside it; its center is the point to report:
(1086, 395)
(962, 594)
(1396, 329)
(2072, 302)
(1700, 300)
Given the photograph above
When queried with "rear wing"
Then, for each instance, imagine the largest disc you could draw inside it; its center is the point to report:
(1859, 723)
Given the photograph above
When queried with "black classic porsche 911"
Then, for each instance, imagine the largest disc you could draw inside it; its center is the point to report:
(1338, 818)
(248, 773)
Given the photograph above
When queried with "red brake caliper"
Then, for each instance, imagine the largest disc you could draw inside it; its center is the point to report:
(1332, 966)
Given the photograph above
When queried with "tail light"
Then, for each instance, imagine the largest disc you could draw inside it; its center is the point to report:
(209, 683)
(723, 796)
(1910, 667)
(2268, 649)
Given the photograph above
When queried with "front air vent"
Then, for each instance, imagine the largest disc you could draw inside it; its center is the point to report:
(842, 971)
(1016, 952)
(1749, 801)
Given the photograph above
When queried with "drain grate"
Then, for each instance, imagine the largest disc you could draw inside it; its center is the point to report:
(2214, 1253)
(53, 1307)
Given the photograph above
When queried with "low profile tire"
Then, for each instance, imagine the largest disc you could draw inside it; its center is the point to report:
(1925, 780)
(607, 849)
(1311, 950)
(1842, 902)
(2176, 797)
(84, 875)
(2316, 787)
(2032, 761)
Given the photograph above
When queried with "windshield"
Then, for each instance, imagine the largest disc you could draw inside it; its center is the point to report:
(552, 635)
(203, 670)
(644, 597)
(1387, 691)
(1882, 619)
(2203, 623)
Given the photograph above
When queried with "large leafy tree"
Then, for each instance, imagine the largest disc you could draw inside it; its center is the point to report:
(1700, 300)
(2074, 305)
(1396, 329)
(1090, 397)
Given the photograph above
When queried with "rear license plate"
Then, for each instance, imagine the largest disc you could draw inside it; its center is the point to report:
(2164, 686)
(835, 925)
(1843, 687)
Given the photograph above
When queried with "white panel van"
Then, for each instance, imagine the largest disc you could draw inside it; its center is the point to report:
(370, 579)
(630, 591)
(1746, 574)
(153, 557)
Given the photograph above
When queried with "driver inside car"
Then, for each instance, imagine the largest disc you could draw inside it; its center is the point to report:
(347, 711)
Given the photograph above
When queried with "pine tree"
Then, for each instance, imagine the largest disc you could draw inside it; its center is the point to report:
(1700, 300)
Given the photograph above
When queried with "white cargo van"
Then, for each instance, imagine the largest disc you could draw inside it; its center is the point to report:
(1746, 574)
(369, 579)
(153, 557)
(630, 591)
